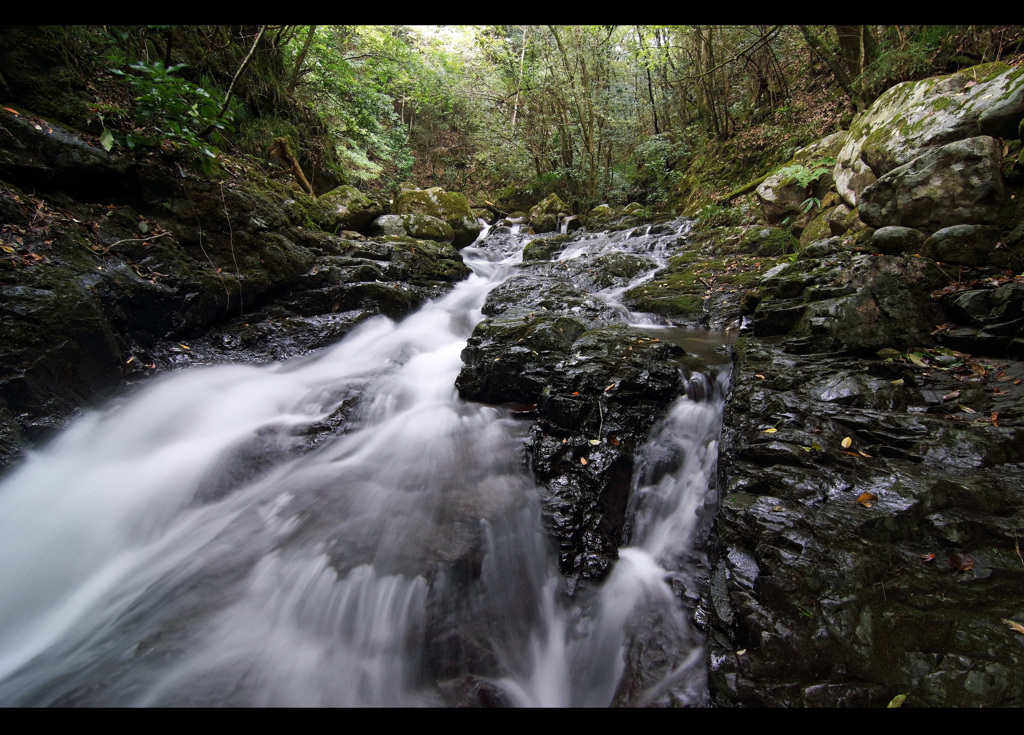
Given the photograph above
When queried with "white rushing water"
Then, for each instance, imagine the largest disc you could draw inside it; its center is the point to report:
(188, 545)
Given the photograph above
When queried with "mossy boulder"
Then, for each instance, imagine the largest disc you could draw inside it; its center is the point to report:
(544, 249)
(346, 208)
(449, 207)
(602, 214)
(418, 226)
(913, 117)
(544, 216)
(954, 184)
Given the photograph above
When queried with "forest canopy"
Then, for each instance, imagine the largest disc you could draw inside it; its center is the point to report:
(659, 115)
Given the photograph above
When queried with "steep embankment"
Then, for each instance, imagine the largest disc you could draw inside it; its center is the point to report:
(113, 264)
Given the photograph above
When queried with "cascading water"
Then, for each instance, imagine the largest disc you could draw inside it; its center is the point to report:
(207, 542)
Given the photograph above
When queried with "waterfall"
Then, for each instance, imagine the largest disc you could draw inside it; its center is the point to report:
(340, 529)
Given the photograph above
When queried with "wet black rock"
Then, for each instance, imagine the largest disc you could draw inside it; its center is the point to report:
(834, 585)
(597, 386)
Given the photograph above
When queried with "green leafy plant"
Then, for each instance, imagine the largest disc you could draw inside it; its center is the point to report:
(805, 175)
(175, 107)
(809, 203)
(714, 215)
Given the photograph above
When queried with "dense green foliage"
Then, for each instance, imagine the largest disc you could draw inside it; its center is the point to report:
(666, 116)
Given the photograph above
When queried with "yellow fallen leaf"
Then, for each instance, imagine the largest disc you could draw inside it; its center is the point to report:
(1015, 625)
(583, 460)
(897, 382)
(758, 375)
(595, 442)
(770, 431)
(897, 701)
(847, 442)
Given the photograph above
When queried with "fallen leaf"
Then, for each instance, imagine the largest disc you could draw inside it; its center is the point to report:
(897, 382)
(867, 499)
(961, 562)
(966, 409)
(847, 442)
(10, 110)
(614, 441)
(184, 346)
(609, 387)
(770, 431)
(583, 460)
(758, 375)
(951, 396)
(1015, 625)
(863, 454)
(995, 418)
(897, 701)
(595, 442)
(927, 557)
(575, 392)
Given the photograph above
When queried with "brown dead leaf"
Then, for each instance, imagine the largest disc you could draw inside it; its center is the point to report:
(951, 396)
(961, 562)
(995, 418)
(583, 460)
(867, 499)
(966, 409)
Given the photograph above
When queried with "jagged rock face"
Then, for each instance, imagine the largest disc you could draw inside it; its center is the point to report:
(451, 207)
(913, 117)
(597, 388)
(955, 184)
(820, 600)
(850, 303)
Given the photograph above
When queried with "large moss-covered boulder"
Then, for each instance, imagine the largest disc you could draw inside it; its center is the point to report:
(784, 194)
(450, 207)
(913, 117)
(419, 226)
(545, 215)
(346, 208)
(958, 183)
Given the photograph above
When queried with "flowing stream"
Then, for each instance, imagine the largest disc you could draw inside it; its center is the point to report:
(342, 529)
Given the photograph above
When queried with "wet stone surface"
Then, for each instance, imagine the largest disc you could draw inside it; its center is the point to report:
(850, 572)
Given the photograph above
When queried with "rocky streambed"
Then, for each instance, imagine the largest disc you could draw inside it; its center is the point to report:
(864, 518)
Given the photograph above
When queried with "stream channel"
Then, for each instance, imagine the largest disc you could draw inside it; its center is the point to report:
(190, 544)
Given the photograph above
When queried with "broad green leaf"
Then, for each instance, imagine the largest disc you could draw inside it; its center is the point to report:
(107, 140)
